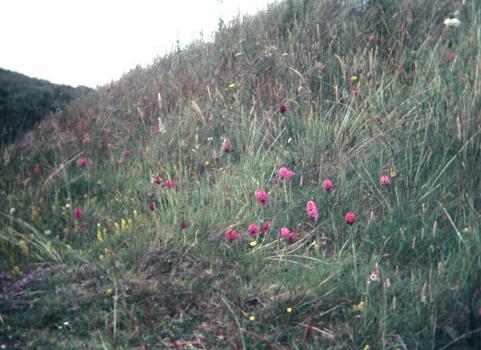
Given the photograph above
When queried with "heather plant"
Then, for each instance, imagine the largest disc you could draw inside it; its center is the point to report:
(307, 180)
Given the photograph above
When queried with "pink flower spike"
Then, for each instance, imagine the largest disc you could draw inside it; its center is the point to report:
(253, 229)
(284, 233)
(265, 226)
(226, 147)
(327, 185)
(311, 211)
(230, 234)
(282, 107)
(183, 225)
(120, 161)
(355, 92)
(385, 180)
(261, 196)
(152, 206)
(292, 236)
(78, 213)
(350, 218)
(285, 174)
(125, 152)
(83, 162)
(169, 184)
(37, 170)
(157, 180)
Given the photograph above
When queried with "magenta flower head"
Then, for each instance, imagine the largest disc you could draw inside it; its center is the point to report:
(157, 180)
(230, 234)
(169, 184)
(253, 229)
(125, 152)
(83, 162)
(327, 185)
(120, 161)
(350, 218)
(282, 107)
(311, 211)
(226, 147)
(266, 225)
(287, 235)
(37, 170)
(356, 91)
(385, 180)
(152, 206)
(292, 236)
(261, 196)
(183, 225)
(78, 213)
(285, 174)
(284, 233)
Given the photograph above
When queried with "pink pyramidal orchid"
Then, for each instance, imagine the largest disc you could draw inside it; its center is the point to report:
(311, 211)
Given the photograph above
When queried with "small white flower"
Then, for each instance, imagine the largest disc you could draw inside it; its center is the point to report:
(66, 323)
(67, 206)
(387, 283)
(47, 232)
(373, 277)
(12, 211)
(161, 126)
(289, 140)
(452, 22)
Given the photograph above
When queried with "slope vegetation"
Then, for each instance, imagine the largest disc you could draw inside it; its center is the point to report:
(308, 180)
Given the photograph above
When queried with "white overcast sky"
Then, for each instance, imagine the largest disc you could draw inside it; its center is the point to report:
(92, 42)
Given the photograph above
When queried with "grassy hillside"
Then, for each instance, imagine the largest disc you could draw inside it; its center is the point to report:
(309, 180)
(24, 101)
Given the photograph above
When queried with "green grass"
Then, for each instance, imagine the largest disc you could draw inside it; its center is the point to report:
(404, 276)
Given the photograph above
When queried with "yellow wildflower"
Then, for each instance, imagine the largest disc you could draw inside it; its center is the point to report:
(16, 271)
(366, 347)
(251, 317)
(23, 247)
(467, 229)
(289, 310)
(392, 172)
(34, 214)
(358, 307)
(101, 257)
(253, 244)
(109, 291)
(354, 78)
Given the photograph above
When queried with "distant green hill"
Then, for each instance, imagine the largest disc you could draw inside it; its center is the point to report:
(24, 101)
